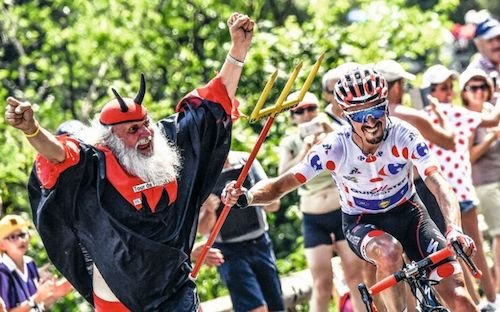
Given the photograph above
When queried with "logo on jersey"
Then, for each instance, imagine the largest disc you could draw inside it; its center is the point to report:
(315, 162)
(422, 149)
(327, 148)
(355, 171)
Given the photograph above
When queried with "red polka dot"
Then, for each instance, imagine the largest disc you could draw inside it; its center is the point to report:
(461, 141)
(470, 120)
(461, 132)
(448, 158)
(377, 179)
(471, 129)
(445, 112)
(454, 150)
(301, 178)
(346, 189)
(431, 145)
(462, 157)
(458, 124)
(439, 152)
(435, 121)
(405, 152)
(467, 189)
(463, 197)
(450, 175)
(442, 168)
(371, 158)
(330, 165)
(457, 114)
(375, 233)
(454, 190)
(459, 181)
(445, 270)
(350, 203)
(456, 166)
(395, 151)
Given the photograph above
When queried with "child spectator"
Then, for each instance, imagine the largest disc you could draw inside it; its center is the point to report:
(21, 287)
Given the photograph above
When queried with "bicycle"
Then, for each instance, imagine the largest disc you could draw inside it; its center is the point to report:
(415, 274)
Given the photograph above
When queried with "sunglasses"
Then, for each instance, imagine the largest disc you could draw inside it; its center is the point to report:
(361, 116)
(301, 110)
(483, 87)
(15, 237)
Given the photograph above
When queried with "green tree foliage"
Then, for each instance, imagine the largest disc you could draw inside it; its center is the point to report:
(64, 55)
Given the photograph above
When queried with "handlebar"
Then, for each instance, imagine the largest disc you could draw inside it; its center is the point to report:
(414, 268)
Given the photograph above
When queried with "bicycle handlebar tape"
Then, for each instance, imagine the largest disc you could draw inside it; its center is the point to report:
(440, 255)
(387, 282)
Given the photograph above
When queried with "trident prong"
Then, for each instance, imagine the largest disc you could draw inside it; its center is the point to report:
(263, 96)
(280, 105)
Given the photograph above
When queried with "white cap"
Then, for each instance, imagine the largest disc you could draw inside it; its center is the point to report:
(488, 29)
(470, 73)
(392, 71)
(337, 72)
(437, 74)
(308, 100)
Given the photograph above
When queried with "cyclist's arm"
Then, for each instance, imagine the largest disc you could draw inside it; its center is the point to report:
(268, 190)
(445, 197)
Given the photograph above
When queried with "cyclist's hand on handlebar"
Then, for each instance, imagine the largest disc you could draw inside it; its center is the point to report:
(455, 233)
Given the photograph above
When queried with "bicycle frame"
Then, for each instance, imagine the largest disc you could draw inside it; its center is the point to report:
(415, 273)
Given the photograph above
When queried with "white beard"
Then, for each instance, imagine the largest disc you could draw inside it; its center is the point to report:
(162, 166)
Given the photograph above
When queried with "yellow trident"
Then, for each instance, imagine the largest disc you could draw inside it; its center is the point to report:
(280, 105)
(257, 114)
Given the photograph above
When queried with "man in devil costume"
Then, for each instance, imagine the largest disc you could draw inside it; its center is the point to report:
(118, 213)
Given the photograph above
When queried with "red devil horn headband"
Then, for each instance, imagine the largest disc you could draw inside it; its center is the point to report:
(124, 109)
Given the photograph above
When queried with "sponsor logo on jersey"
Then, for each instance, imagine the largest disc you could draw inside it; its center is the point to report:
(315, 162)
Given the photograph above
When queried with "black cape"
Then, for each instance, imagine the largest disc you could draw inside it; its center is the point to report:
(143, 256)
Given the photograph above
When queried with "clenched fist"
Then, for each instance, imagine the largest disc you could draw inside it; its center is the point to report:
(20, 115)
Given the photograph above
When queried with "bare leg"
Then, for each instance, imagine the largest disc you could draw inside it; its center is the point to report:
(453, 292)
(262, 308)
(353, 272)
(471, 228)
(387, 253)
(319, 262)
(496, 258)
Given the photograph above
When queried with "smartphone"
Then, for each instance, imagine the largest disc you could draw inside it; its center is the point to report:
(419, 98)
(310, 128)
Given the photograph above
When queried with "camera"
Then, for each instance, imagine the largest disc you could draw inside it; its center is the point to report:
(419, 98)
(310, 128)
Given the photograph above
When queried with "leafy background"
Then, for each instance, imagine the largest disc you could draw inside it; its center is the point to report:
(64, 55)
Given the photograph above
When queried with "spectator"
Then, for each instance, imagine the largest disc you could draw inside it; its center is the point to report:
(249, 267)
(455, 164)
(487, 41)
(21, 287)
(476, 90)
(118, 213)
(320, 206)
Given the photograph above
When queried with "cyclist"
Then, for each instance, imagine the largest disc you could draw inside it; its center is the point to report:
(371, 160)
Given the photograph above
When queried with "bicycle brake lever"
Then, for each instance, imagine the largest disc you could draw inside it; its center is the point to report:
(366, 297)
(457, 247)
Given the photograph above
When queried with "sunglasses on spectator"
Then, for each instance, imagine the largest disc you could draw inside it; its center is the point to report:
(473, 89)
(15, 237)
(362, 115)
(301, 110)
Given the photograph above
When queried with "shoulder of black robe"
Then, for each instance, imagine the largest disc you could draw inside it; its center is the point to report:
(146, 274)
